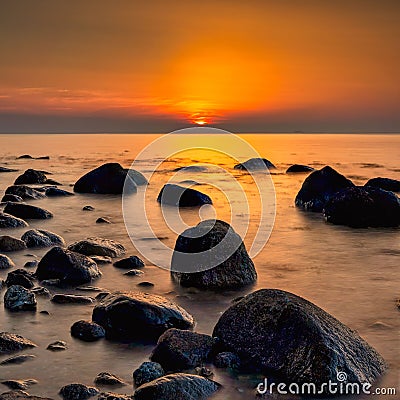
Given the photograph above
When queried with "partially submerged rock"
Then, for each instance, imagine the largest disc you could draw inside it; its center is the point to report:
(101, 259)
(9, 221)
(20, 395)
(77, 391)
(11, 342)
(132, 262)
(25, 192)
(6, 262)
(147, 372)
(42, 238)
(60, 298)
(87, 331)
(9, 243)
(19, 384)
(103, 220)
(27, 211)
(18, 359)
(11, 197)
(94, 246)
(6, 169)
(56, 192)
(31, 176)
(175, 195)
(105, 378)
(20, 277)
(298, 168)
(18, 298)
(58, 345)
(255, 164)
(392, 185)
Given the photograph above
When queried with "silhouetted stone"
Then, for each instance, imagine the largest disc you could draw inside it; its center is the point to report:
(87, 331)
(134, 272)
(11, 342)
(145, 284)
(98, 247)
(298, 168)
(18, 359)
(88, 208)
(5, 169)
(58, 345)
(56, 192)
(12, 197)
(147, 372)
(103, 220)
(42, 238)
(132, 262)
(31, 264)
(60, 298)
(105, 378)
(20, 277)
(25, 192)
(175, 195)
(101, 259)
(77, 391)
(17, 298)
(9, 243)
(27, 211)
(25, 156)
(9, 221)
(31, 176)
(255, 164)
(6, 262)
(392, 185)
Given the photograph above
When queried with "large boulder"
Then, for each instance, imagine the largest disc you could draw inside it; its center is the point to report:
(69, 267)
(179, 350)
(18, 298)
(362, 207)
(11, 342)
(25, 192)
(95, 246)
(175, 195)
(31, 176)
(107, 179)
(318, 187)
(298, 168)
(6, 262)
(212, 255)
(392, 185)
(283, 335)
(27, 211)
(139, 315)
(177, 386)
(147, 372)
(9, 221)
(9, 243)
(42, 238)
(255, 164)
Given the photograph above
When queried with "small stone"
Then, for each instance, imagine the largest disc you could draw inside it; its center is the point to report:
(6, 262)
(145, 284)
(101, 259)
(113, 396)
(77, 391)
(18, 359)
(204, 371)
(105, 378)
(58, 345)
(88, 208)
(102, 220)
(18, 298)
(134, 272)
(19, 384)
(9, 221)
(147, 372)
(31, 264)
(129, 263)
(9, 243)
(20, 277)
(87, 331)
(41, 291)
(10, 342)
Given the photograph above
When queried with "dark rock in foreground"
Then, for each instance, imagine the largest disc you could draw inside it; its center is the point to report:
(9, 221)
(198, 250)
(25, 192)
(9, 243)
(42, 238)
(87, 208)
(77, 391)
(12, 197)
(105, 378)
(69, 267)
(20, 277)
(139, 315)
(31, 176)
(179, 350)
(6, 262)
(255, 164)
(280, 334)
(147, 372)
(298, 168)
(11, 342)
(27, 211)
(20, 395)
(318, 187)
(393, 185)
(177, 386)
(95, 246)
(175, 195)
(87, 331)
(18, 298)
(132, 262)
(363, 207)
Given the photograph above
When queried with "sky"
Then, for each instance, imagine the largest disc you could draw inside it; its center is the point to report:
(156, 66)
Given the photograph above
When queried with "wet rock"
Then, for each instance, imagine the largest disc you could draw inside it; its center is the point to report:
(9, 221)
(145, 284)
(103, 220)
(27, 211)
(51, 282)
(11, 197)
(20, 384)
(41, 291)
(18, 298)
(255, 164)
(147, 372)
(318, 187)
(178, 350)
(11, 342)
(89, 288)
(113, 396)
(5, 169)
(392, 185)
(107, 179)
(362, 207)
(20, 395)
(18, 359)
(134, 272)
(95, 246)
(105, 378)
(69, 267)
(77, 391)
(42, 238)
(137, 177)
(6, 262)
(42, 158)
(298, 168)
(102, 295)
(9, 243)
(198, 248)
(133, 262)
(31, 264)
(227, 359)
(177, 386)
(56, 192)
(25, 156)
(58, 345)
(278, 333)
(25, 192)
(101, 259)
(88, 208)
(20, 277)
(87, 331)
(139, 315)
(31, 176)
(71, 299)
(175, 195)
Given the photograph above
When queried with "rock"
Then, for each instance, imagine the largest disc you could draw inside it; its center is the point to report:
(129, 263)
(177, 386)
(134, 272)
(392, 185)
(69, 267)
(28, 156)
(137, 177)
(42, 238)
(105, 378)
(87, 331)
(71, 299)
(54, 183)
(58, 345)
(88, 208)
(113, 396)
(56, 192)
(25, 192)
(139, 315)
(102, 220)
(31, 264)
(42, 158)
(41, 291)
(5, 169)
(101, 259)
(255, 164)
(175, 195)
(12, 197)
(20, 277)
(278, 333)
(11, 342)
(19, 383)
(20, 395)
(178, 350)
(107, 179)
(89, 288)
(31, 176)
(147, 372)
(102, 295)
(191, 168)
(9, 243)
(51, 282)
(362, 207)
(296, 168)
(203, 371)
(227, 359)
(77, 391)
(318, 187)
(6, 262)
(27, 211)
(18, 359)
(9, 221)
(145, 284)
(18, 298)
(197, 249)
(95, 246)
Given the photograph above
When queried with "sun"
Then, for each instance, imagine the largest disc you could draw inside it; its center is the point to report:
(200, 121)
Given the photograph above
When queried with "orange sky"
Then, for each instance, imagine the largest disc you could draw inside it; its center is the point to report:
(246, 66)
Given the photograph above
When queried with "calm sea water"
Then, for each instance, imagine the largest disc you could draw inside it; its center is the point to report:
(352, 274)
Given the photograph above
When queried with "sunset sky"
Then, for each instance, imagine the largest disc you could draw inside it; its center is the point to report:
(155, 66)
